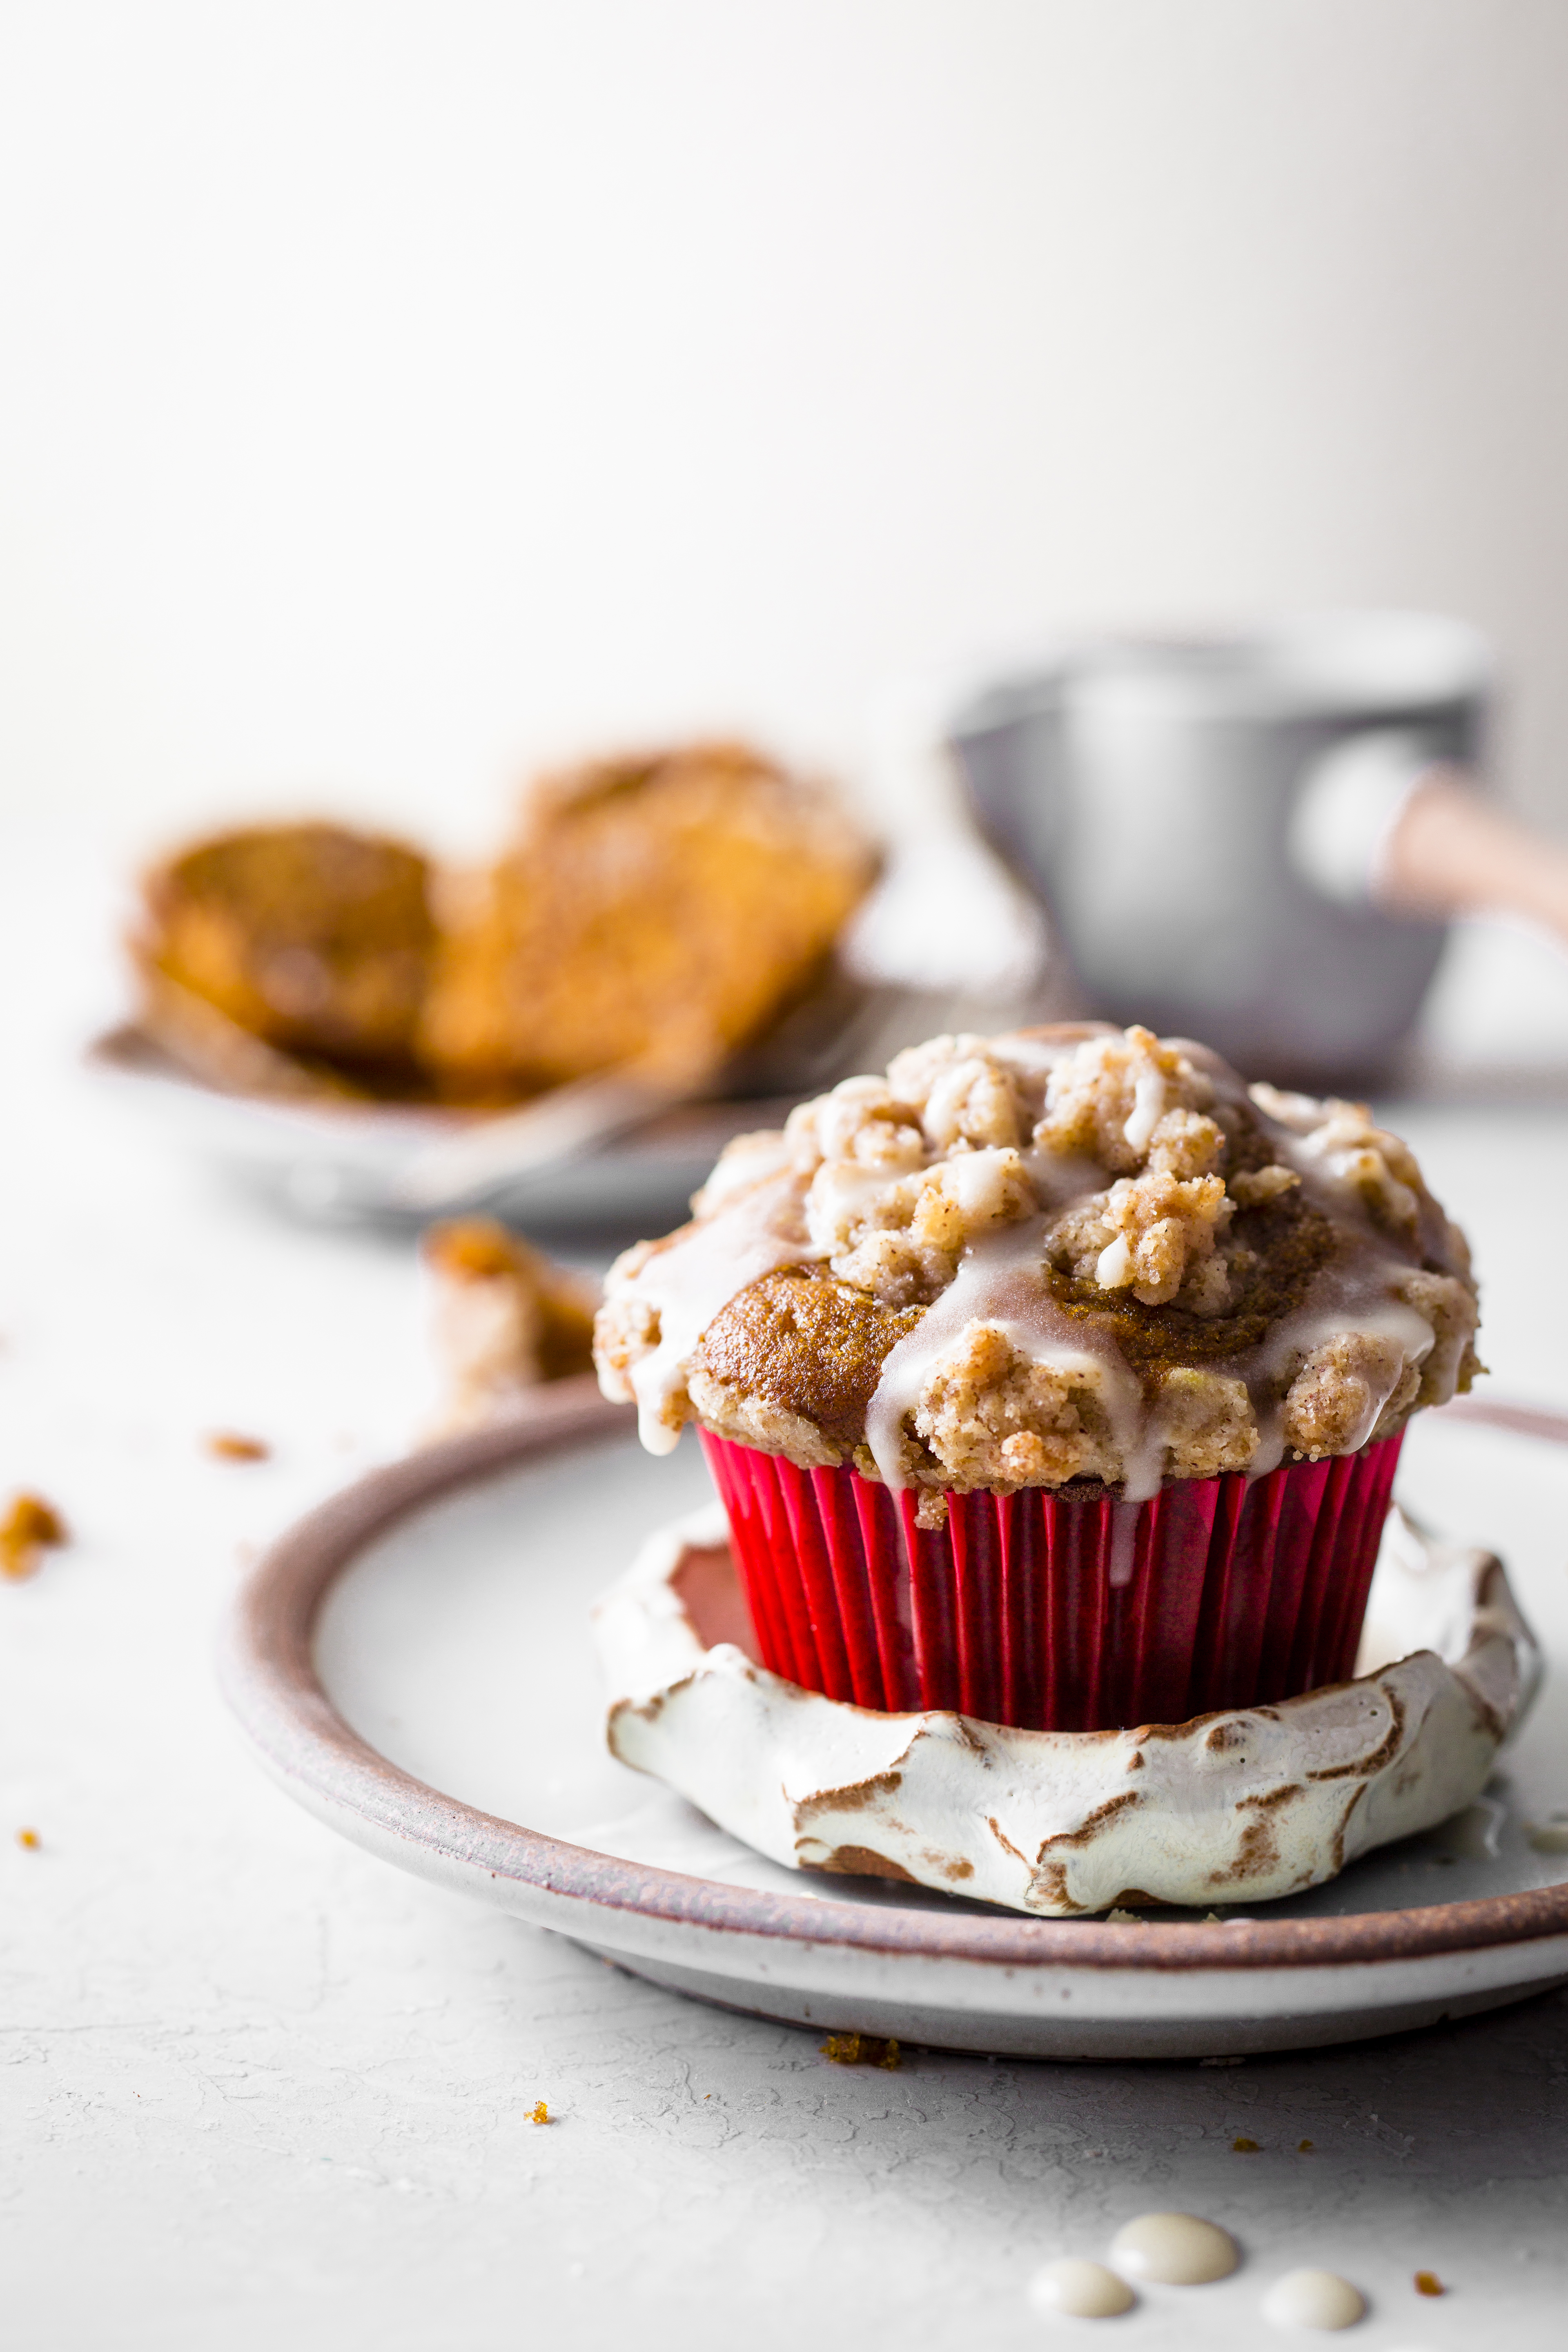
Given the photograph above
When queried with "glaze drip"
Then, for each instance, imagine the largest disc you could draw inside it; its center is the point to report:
(686, 1280)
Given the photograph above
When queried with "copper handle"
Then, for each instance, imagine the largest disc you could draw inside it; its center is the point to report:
(1452, 852)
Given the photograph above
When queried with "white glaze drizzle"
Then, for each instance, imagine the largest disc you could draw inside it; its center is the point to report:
(699, 1270)
(1355, 1292)
(1148, 1110)
(840, 1185)
(1001, 1279)
(1334, 1303)
(1124, 1510)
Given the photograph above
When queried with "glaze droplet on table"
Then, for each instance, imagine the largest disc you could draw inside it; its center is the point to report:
(1313, 2299)
(1174, 2249)
(1079, 2290)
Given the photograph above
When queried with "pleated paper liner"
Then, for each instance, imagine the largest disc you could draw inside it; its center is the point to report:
(1059, 1612)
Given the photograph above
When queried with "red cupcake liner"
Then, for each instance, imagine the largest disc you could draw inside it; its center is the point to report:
(1058, 1612)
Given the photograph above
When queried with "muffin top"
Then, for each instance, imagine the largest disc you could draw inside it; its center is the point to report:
(1075, 1252)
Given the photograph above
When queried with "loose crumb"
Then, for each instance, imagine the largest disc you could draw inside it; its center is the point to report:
(1303, 2148)
(29, 1528)
(861, 2050)
(1428, 2283)
(32, 1840)
(1124, 1919)
(1243, 2147)
(228, 1445)
(539, 2113)
(506, 1318)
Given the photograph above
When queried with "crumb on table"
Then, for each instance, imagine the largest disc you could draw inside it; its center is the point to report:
(29, 1840)
(1428, 2283)
(539, 2113)
(230, 1445)
(1241, 2146)
(861, 2050)
(30, 1528)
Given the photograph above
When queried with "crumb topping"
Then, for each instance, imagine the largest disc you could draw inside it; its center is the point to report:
(1075, 1252)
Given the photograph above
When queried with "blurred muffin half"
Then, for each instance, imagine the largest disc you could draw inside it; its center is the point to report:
(656, 912)
(313, 939)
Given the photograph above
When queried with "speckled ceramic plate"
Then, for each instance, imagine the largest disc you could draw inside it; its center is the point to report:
(544, 1166)
(412, 1662)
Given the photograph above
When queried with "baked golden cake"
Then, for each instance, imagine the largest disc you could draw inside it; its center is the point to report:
(655, 912)
(1075, 1304)
(313, 939)
(507, 1319)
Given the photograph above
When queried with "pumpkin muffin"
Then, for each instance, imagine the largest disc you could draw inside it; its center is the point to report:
(1061, 1369)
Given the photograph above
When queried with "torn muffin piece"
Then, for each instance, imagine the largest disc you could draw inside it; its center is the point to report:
(506, 1318)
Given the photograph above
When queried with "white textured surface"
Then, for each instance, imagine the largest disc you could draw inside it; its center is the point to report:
(259, 2089)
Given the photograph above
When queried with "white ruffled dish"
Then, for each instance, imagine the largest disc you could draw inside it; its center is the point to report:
(1241, 1806)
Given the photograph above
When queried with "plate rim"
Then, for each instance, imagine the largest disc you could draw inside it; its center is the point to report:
(269, 1677)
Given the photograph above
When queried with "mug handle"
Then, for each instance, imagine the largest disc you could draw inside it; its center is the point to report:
(1348, 808)
(1383, 820)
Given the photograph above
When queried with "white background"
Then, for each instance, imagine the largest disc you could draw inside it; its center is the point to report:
(391, 393)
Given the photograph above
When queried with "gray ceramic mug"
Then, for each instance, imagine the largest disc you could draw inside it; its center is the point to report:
(1201, 818)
